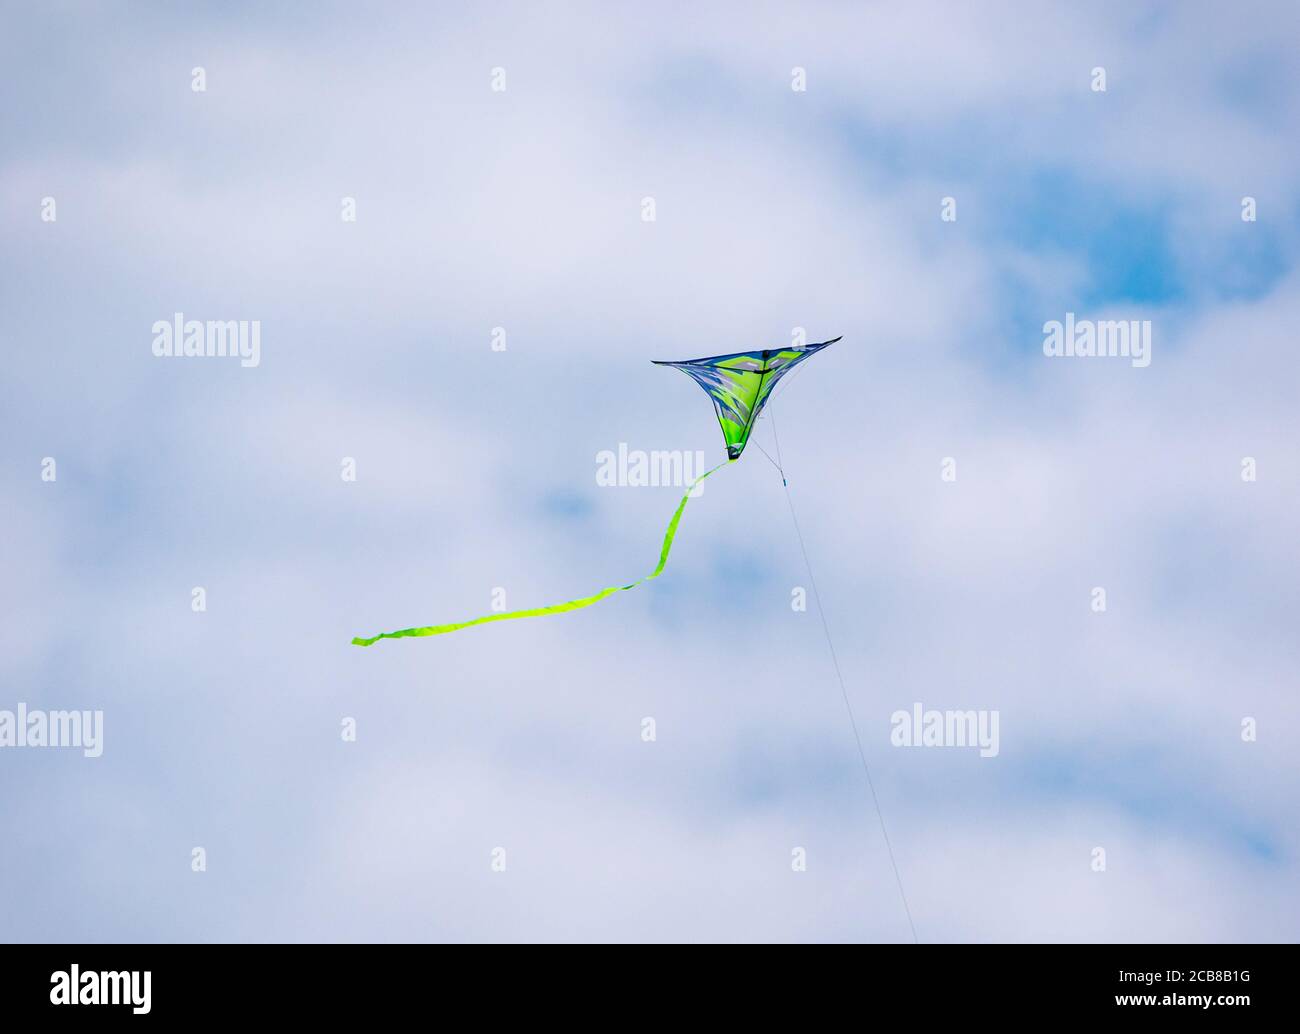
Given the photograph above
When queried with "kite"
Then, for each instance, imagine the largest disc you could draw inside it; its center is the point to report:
(740, 385)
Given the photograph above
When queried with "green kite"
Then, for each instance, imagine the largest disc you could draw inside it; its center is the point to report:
(739, 384)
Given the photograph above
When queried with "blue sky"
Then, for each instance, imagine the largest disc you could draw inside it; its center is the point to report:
(776, 209)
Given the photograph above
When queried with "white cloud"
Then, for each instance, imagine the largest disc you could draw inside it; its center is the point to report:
(478, 210)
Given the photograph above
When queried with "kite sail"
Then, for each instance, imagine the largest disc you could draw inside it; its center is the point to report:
(739, 385)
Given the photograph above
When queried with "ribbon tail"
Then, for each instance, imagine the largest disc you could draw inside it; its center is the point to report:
(555, 608)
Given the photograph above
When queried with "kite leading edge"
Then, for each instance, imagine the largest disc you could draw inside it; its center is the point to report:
(739, 385)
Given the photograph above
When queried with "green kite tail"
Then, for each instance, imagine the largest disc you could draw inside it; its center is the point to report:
(555, 608)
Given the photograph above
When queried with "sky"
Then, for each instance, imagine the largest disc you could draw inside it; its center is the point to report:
(961, 495)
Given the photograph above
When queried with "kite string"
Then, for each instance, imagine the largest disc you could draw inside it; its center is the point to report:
(775, 465)
(853, 724)
(777, 438)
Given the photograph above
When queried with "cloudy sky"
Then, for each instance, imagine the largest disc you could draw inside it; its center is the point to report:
(775, 209)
